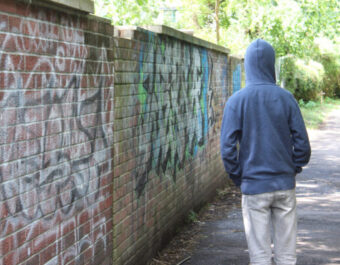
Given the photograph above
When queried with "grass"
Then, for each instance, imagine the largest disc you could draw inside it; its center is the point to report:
(314, 113)
(192, 217)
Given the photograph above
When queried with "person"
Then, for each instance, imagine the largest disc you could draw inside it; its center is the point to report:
(264, 144)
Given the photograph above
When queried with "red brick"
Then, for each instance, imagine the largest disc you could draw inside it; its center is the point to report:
(27, 81)
(107, 214)
(6, 245)
(46, 64)
(88, 254)
(34, 131)
(69, 260)
(54, 127)
(107, 203)
(3, 22)
(38, 244)
(3, 209)
(83, 218)
(10, 116)
(32, 63)
(92, 25)
(8, 6)
(2, 81)
(55, 32)
(68, 226)
(11, 258)
(68, 240)
(39, 46)
(84, 230)
(18, 61)
(48, 198)
(25, 251)
(14, 24)
(48, 253)
(20, 133)
(22, 9)
(8, 43)
(33, 97)
(21, 236)
(33, 260)
(31, 28)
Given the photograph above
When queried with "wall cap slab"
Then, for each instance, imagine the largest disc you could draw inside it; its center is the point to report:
(86, 6)
(165, 30)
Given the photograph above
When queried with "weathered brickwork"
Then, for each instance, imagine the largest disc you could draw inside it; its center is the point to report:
(56, 137)
(236, 73)
(106, 142)
(169, 98)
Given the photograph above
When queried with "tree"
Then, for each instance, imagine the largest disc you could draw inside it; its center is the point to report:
(291, 26)
(217, 20)
(129, 12)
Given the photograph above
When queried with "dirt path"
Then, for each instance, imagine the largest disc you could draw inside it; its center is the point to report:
(217, 238)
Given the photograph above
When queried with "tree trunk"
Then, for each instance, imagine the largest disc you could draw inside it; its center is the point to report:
(217, 10)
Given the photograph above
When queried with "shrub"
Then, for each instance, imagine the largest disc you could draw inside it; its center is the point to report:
(301, 77)
(328, 53)
(331, 81)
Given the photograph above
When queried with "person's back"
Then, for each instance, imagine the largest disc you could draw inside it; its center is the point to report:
(266, 122)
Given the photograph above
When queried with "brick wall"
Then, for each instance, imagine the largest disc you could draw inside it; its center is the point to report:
(106, 142)
(56, 137)
(169, 98)
(236, 73)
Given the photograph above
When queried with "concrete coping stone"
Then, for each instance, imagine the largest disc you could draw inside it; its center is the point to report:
(165, 30)
(86, 6)
(237, 57)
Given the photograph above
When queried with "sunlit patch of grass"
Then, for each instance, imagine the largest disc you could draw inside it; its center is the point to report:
(314, 113)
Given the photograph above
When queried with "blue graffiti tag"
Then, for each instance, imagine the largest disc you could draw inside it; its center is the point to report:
(237, 78)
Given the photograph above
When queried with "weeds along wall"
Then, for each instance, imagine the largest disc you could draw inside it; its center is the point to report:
(107, 137)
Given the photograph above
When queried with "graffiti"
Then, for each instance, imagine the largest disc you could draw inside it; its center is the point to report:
(55, 135)
(237, 78)
(224, 79)
(176, 107)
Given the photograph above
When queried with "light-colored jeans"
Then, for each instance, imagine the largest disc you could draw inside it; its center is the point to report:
(266, 212)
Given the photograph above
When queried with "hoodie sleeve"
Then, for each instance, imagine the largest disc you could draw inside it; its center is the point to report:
(301, 145)
(230, 133)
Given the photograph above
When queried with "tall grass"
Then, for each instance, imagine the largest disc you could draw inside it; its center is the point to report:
(314, 113)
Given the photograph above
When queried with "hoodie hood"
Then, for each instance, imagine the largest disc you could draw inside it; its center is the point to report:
(259, 63)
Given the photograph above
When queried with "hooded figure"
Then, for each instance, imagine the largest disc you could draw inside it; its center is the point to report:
(266, 122)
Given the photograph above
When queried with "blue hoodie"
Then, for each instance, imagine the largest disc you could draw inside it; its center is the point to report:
(266, 122)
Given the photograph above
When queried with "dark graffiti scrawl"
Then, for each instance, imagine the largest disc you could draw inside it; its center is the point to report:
(176, 108)
(59, 164)
(55, 137)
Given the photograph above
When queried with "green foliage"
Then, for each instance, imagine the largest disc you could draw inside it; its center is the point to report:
(291, 26)
(310, 105)
(307, 30)
(329, 55)
(302, 77)
(315, 76)
(192, 217)
(129, 12)
(315, 112)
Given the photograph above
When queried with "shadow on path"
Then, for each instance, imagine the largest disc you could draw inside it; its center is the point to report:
(318, 191)
(222, 240)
